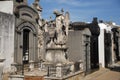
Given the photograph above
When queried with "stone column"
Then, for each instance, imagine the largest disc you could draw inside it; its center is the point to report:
(59, 70)
(113, 52)
(101, 49)
(1, 67)
(31, 66)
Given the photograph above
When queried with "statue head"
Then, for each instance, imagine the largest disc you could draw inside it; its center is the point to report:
(57, 13)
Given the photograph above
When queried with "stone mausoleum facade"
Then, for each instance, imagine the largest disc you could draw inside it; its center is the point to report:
(54, 49)
(20, 33)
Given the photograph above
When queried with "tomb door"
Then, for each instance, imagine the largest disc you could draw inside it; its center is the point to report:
(26, 44)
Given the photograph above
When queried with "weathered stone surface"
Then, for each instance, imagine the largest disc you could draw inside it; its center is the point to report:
(57, 33)
(6, 6)
(79, 47)
(7, 39)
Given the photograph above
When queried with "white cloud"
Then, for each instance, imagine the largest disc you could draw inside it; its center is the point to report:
(78, 3)
(79, 9)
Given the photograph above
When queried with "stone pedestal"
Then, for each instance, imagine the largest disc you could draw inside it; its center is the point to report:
(56, 55)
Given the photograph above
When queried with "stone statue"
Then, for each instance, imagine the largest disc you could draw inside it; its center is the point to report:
(60, 28)
(36, 5)
(57, 33)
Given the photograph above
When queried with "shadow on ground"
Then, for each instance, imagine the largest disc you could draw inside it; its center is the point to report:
(115, 68)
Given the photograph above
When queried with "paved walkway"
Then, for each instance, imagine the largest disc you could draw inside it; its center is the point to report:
(104, 74)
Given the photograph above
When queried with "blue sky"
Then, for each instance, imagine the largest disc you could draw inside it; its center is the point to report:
(83, 10)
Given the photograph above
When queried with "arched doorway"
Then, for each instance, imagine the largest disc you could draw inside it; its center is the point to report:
(26, 43)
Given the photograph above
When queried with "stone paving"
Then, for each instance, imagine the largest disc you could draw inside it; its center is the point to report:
(104, 74)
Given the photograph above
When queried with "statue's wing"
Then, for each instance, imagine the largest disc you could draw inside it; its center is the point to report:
(67, 21)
